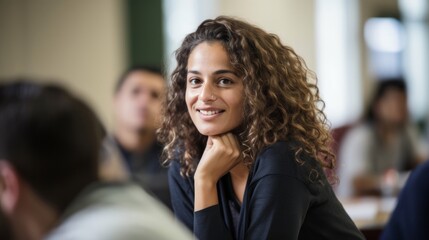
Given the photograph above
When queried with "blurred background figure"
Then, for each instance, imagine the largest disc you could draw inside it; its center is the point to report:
(131, 150)
(49, 185)
(411, 215)
(384, 144)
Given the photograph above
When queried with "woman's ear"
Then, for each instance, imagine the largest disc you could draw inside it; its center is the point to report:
(9, 187)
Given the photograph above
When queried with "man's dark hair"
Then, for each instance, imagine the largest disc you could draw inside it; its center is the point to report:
(51, 138)
(139, 68)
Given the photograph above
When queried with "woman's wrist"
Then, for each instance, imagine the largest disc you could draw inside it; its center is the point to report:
(204, 182)
(206, 178)
(205, 194)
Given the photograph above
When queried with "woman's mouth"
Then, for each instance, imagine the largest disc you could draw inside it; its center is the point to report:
(209, 112)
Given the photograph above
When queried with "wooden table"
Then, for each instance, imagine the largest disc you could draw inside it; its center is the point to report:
(370, 214)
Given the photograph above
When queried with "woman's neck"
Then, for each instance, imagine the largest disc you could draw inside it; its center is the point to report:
(239, 175)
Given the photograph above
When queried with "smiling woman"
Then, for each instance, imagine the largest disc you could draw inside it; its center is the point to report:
(245, 141)
(214, 93)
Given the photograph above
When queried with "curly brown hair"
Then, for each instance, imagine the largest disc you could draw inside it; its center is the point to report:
(280, 98)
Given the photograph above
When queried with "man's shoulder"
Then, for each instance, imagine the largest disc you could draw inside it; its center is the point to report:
(419, 179)
(130, 214)
(118, 224)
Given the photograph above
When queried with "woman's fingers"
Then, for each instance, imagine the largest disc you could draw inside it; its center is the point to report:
(209, 142)
(227, 144)
(222, 153)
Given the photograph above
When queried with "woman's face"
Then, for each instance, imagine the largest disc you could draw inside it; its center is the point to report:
(214, 91)
(391, 108)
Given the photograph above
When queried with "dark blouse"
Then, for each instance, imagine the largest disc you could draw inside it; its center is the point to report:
(283, 199)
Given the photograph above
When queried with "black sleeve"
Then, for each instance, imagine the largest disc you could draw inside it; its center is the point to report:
(182, 195)
(209, 224)
(278, 207)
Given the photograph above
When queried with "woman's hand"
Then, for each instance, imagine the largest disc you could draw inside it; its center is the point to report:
(222, 153)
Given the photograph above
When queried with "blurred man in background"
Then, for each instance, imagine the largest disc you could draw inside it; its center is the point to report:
(49, 184)
(132, 151)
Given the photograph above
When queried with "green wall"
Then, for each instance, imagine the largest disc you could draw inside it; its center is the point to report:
(145, 32)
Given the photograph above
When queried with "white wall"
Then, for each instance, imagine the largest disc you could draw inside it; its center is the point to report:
(293, 21)
(181, 18)
(369, 9)
(338, 59)
(78, 42)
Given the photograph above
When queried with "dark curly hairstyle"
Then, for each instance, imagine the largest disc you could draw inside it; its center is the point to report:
(280, 98)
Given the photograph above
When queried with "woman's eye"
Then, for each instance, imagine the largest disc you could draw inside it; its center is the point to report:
(194, 81)
(225, 81)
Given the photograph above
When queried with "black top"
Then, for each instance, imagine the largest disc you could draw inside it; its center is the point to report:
(410, 218)
(283, 199)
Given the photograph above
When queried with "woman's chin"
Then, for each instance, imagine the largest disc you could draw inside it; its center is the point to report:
(214, 132)
(211, 132)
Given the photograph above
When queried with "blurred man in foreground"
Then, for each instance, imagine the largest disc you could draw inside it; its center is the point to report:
(49, 188)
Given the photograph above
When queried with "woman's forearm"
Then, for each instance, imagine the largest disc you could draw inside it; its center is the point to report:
(205, 194)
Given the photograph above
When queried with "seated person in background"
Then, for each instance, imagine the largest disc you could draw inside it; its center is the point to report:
(49, 188)
(132, 151)
(384, 144)
(411, 215)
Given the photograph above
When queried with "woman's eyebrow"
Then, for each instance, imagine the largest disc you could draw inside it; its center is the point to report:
(223, 71)
(194, 72)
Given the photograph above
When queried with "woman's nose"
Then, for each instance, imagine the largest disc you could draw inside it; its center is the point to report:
(207, 93)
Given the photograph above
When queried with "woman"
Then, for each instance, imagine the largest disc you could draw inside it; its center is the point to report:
(245, 140)
(382, 145)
